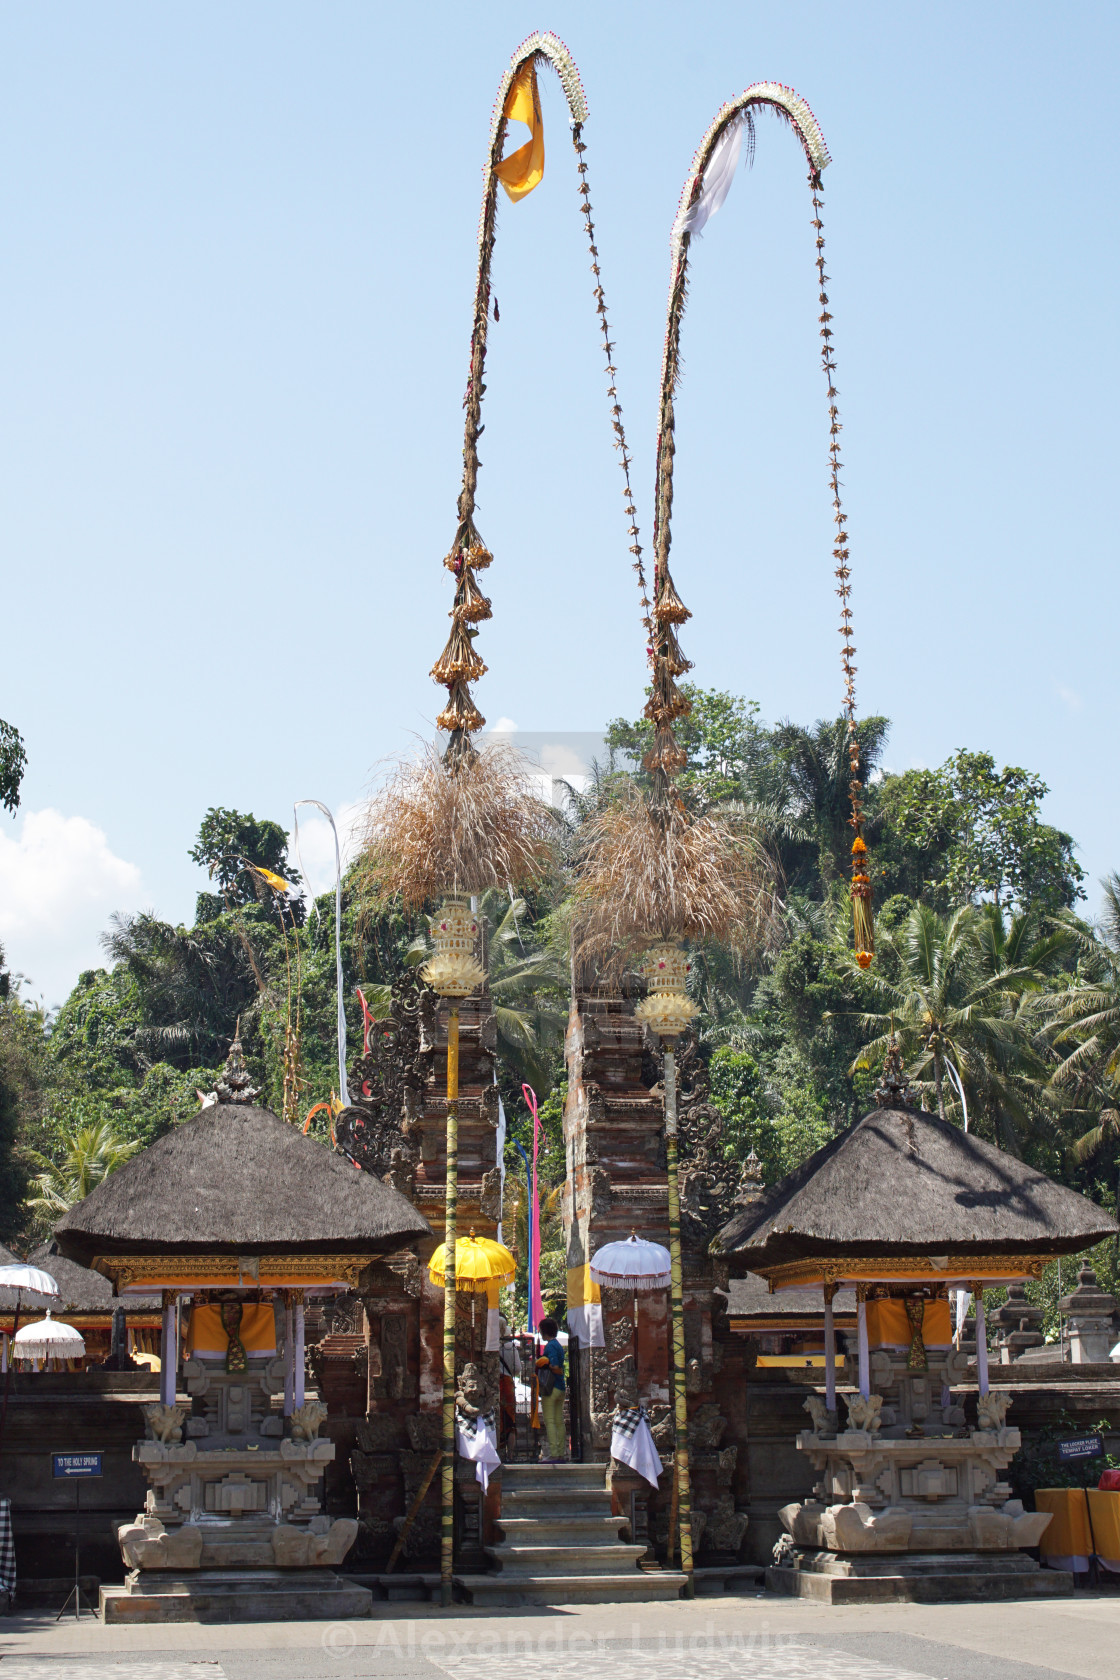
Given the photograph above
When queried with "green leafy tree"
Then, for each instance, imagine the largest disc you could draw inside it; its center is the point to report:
(722, 737)
(13, 763)
(979, 831)
(228, 842)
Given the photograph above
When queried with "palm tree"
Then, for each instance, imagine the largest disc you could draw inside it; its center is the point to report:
(951, 995)
(90, 1151)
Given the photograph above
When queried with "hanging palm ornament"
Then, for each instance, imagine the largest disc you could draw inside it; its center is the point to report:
(654, 876)
(469, 819)
(708, 183)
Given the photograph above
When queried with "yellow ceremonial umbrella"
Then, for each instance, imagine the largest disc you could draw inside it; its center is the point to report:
(480, 1262)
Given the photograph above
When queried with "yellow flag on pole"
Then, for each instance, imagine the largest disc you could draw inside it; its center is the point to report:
(523, 169)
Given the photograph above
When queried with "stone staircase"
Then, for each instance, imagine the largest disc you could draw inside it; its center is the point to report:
(561, 1544)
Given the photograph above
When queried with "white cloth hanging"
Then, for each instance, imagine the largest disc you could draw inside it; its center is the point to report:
(478, 1442)
(632, 1443)
(718, 177)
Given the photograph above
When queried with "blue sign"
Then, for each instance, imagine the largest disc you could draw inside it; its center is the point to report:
(76, 1466)
(1080, 1446)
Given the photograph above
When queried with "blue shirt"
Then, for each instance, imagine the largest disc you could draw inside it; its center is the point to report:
(554, 1353)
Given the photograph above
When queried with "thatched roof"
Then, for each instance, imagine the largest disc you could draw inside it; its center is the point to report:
(749, 1297)
(902, 1182)
(236, 1180)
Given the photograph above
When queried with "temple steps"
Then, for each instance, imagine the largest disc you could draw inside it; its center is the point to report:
(561, 1544)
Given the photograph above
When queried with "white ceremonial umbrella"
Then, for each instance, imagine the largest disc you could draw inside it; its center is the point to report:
(48, 1338)
(635, 1265)
(21, 1277)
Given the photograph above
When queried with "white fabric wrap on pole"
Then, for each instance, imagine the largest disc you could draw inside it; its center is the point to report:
(168, 1357)
(299, 1354)
(343, 1092)
(981, 1343)
(864, 1351)
(829, 1357)
(718, 177)
(500, 1151)
(289, 1358)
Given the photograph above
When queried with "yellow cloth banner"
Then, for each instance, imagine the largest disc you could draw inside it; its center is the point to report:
(1104, 1509)
(207, 1337)
(523, 169)
(888, 1325)
(583, 1291)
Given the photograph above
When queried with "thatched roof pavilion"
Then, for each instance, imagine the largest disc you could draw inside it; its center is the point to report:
(236, 1197)
(904, 1194)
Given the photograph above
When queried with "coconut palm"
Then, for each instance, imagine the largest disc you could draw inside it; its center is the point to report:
(951, 995)
(89, 1153)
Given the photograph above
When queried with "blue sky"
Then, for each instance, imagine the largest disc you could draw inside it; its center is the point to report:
(239, 244)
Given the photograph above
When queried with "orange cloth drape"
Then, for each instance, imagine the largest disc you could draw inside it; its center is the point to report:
(888, 1325)
(523, 169)
(1067, 1532)
(207, 1337)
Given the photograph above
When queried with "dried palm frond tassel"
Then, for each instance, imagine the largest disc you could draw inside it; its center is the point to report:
(458, 662)
(456, 827)
(652, 873)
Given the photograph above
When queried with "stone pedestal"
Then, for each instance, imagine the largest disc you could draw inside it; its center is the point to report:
(907, 1491)
(232, 1527)
(1016, 1324)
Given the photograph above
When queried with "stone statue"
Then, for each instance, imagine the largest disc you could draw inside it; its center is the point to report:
(864, 1414)
(307, 1419)
(166, 1423)
(824, 1419)
(991, 1410)
(477, 1393)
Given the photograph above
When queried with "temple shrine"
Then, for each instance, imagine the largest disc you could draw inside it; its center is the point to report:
(238, 1220)
(912, 1499)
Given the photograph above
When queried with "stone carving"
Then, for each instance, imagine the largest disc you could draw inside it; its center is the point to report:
(401, 1175)
(378, 1433)
(706, 1427)
(600, 1192)
(307, 1420)
(490, 1196)
(662, 1428)
(708, 1185)
(235, 1086)
(619, 1335)
(848, 1528)
(314, 1547)
(991, 1409)
(424, 1431)
(165, 1423)
(1017, 1322)
(477, 1391)
(725, 1526)
(864, 1414)
(824, 1419)
(146, 1544)
(387, 1081)
(1089, 1310)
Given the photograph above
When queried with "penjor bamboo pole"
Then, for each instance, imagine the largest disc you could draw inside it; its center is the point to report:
(447, 1514)
(681, 1483)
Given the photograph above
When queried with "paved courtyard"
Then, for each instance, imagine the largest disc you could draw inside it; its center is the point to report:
(727, 1639)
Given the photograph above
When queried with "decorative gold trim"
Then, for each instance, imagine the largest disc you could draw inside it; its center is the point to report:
(795, 1273)
(272, 1271)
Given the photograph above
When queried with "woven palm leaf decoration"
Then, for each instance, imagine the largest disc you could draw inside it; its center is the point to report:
(459, 665)
(705, 189)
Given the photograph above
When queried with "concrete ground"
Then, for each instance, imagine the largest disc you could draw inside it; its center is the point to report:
(749, 1638)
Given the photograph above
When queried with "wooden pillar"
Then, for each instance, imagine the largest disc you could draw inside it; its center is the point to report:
(864, 1351)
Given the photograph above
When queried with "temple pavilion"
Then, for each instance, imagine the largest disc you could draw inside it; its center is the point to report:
(914, 1215)
(237, 1220)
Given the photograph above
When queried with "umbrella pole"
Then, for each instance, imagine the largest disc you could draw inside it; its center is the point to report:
(447, 1514)
(681, 1484)
(8, 1370)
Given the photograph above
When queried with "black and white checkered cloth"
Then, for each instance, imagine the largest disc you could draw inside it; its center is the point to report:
(470, 1426)
(626, 1423)
(7, 1549)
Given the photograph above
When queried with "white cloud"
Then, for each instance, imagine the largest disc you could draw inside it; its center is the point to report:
(316, 843)
(59, 884)
(504, 726)
(1070, 698)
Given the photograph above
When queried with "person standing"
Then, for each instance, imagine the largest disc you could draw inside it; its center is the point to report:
(550, 1387)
